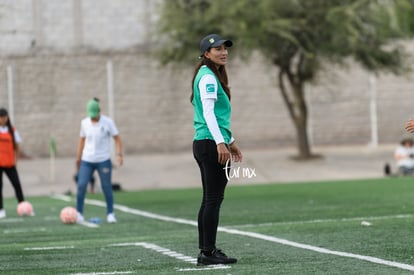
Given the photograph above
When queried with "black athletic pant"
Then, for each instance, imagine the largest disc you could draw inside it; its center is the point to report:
(214, 180)
(15, 181)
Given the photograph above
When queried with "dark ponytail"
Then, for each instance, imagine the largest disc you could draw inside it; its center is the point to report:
(220, 73)
(11, 131)
(3, 112)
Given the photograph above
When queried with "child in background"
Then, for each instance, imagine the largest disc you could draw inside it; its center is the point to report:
(9, 150)
(404, 155)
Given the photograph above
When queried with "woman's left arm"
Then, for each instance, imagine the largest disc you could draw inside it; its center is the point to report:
(118, 145)
(16, 152)
(235, 152)
(17, 141)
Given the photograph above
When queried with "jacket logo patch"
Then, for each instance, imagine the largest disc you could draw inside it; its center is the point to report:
(210, 88)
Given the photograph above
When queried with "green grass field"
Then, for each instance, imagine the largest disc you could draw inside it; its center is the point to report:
(301, 228)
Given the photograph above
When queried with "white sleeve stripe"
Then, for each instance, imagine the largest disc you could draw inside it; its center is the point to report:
(210, 118)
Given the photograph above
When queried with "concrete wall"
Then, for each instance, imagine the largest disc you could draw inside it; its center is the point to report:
(58, 52)
(32, 26)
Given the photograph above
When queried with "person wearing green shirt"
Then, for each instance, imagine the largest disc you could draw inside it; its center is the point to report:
(214, 145)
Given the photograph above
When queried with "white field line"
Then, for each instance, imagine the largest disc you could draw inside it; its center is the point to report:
(50, 248)
(359, 219)
(173, 254)
(209, 267)
(88, 224)
(162, 250)
(105, 273)
(62, 197)
(26, 230)
(258, 236)
(11, 220)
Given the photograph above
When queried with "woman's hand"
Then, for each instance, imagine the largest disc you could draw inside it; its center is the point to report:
(410, 126)
(236, 154)
(77, 164)
(223, 153)
(120, 159)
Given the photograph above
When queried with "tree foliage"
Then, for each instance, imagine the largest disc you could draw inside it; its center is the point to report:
(332, 29)
(297, 36)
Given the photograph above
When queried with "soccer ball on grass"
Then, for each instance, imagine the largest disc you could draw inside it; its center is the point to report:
(25, 208)
(69, 215)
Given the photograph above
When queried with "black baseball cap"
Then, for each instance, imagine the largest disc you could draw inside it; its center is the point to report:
(211, 41)
(3, 112)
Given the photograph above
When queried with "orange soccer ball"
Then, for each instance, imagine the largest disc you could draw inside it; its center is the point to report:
(69, 215)
(25, 208)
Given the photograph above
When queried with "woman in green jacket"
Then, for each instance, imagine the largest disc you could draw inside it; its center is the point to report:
(214, 145)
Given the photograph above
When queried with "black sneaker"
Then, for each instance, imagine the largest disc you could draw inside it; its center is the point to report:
(217, 257)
